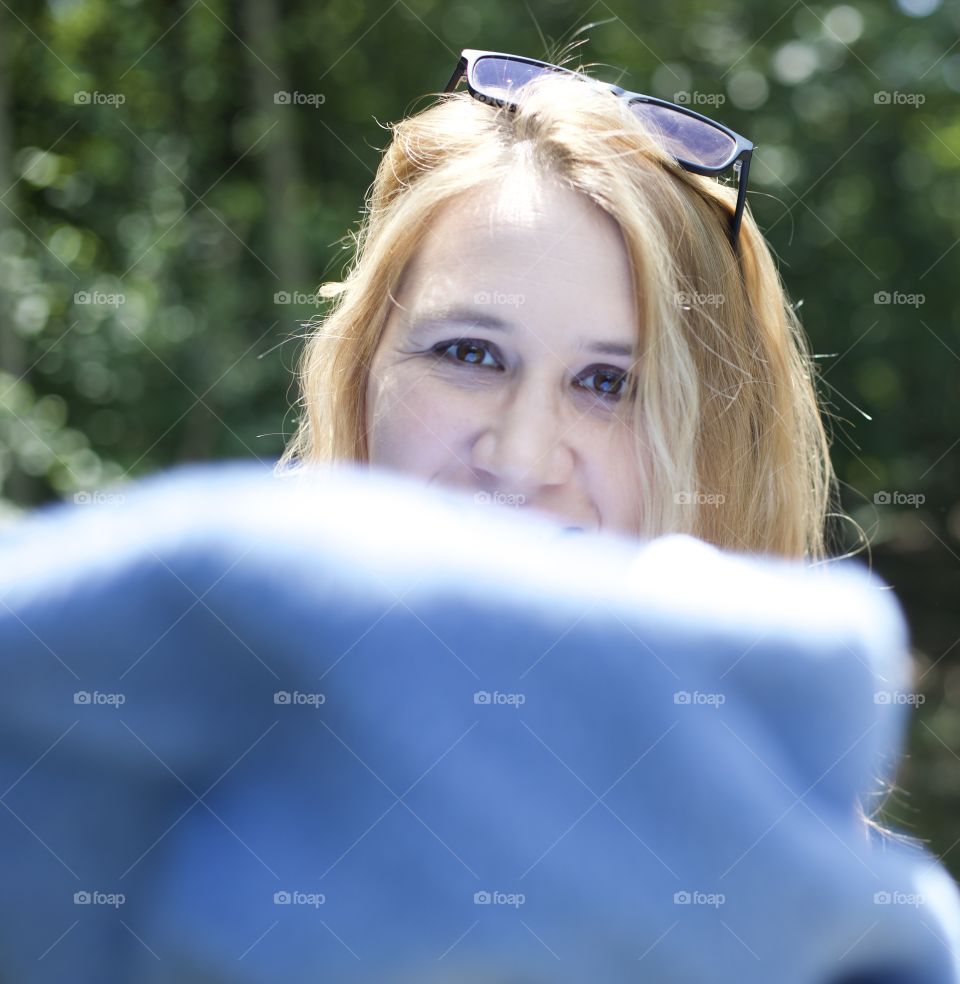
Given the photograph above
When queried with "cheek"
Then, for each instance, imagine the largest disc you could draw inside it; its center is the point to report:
(411, 425)
(620, 489)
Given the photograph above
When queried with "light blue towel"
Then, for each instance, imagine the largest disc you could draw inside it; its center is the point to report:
(346, 728)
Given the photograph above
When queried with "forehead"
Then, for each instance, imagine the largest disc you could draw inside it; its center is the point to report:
(529, 245)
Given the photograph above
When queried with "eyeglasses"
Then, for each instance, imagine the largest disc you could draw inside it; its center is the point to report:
(696, 142)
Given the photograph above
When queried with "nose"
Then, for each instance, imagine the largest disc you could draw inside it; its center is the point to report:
(522, 448)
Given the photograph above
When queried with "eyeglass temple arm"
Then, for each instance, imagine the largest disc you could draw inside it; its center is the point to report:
(743, 170)
(458, 74)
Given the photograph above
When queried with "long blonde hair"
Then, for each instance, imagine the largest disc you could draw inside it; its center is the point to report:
(735, 448)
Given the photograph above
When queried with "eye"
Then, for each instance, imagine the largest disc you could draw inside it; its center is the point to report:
(612, 382)
(466, 351)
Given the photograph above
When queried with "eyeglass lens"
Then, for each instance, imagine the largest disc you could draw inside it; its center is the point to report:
(680, 135)
(686, 136)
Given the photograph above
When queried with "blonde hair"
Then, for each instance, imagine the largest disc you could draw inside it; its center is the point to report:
(725, 401)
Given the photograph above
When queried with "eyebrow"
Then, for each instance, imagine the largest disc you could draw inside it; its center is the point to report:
(479, 319)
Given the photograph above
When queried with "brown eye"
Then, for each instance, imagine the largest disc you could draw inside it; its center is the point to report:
(466, 351)
(610, 385)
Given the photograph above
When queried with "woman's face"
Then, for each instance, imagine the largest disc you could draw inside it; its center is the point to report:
(531, 406)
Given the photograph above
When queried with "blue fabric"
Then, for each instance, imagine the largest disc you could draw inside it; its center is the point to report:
(346, 728)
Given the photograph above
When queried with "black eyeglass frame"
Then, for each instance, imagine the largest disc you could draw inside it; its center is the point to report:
(739, 159)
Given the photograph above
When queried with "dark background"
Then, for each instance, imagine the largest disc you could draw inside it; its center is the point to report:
(165, 221)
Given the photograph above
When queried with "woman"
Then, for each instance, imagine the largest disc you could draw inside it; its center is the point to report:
(550, 308)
